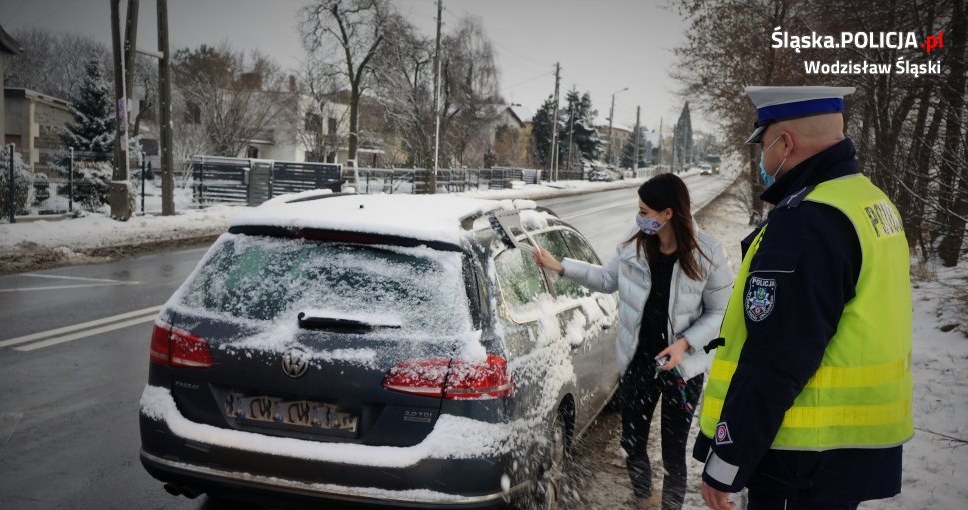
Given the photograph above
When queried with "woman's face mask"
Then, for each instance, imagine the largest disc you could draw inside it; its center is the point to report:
(648, 226)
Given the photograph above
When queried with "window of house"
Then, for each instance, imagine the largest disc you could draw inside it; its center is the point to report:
(193, 113)
(331, 126)
(313, 123)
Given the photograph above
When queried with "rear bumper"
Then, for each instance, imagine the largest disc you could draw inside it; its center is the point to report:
(428, 483)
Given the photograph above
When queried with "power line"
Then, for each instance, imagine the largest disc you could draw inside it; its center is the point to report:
(529, 80)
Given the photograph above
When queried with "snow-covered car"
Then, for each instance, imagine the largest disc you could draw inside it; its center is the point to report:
(389, 350)
(604, 175)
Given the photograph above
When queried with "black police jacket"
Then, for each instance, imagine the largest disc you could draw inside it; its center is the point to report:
(819, 247)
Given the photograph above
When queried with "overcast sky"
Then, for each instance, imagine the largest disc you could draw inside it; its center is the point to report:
(603, 45)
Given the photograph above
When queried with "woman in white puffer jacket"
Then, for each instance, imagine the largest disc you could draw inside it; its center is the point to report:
(674, 283)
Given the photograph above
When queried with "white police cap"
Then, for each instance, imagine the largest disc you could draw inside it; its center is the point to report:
(774, 104)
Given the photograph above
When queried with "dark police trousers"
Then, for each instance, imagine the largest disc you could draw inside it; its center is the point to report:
(641, 389)
(759, 500)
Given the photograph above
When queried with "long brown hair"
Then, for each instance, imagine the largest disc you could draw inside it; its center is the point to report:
(667, 191)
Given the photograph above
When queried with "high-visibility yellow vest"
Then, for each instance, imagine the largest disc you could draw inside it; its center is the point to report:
(861, 394)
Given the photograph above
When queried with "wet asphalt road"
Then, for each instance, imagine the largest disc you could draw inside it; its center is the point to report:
(68, 403)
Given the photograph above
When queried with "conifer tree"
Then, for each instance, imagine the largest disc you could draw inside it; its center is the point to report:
(93, 111)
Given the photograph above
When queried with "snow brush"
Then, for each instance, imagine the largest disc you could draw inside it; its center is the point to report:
(502, 226)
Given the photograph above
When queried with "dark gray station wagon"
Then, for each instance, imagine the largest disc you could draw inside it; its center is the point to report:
(393, 351)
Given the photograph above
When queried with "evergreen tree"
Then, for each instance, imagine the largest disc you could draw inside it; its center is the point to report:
(585, 143)
(93, 111)
(628, 151)
(541, 133)
(584, 138)
(683, 138)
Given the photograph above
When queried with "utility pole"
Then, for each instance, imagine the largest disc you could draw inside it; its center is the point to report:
(552, 152)
(609, 151)
(119, 195)
(433, 174)
(130, 45)
(164, 102)
(571, 134)
(635, 161)
(659, 159)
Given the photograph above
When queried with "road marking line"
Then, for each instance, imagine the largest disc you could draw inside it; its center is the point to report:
(58, 287)
(84, 334)
(8, 424)
(64, 277)
(75, 327)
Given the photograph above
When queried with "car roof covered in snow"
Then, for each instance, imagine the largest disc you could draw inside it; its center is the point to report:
(423, 217)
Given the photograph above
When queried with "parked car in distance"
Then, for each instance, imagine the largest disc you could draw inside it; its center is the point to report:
(388, 350)
(604, 175)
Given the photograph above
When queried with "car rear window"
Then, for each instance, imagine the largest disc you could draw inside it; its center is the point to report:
(266, 279)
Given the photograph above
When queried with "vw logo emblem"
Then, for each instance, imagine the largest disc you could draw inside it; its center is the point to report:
(295, 364)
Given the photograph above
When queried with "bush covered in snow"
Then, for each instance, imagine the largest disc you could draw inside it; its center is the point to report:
(24, 180)
(91, 184)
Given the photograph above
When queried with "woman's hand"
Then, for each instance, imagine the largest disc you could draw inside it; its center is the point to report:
(675, 352)
(546, 260)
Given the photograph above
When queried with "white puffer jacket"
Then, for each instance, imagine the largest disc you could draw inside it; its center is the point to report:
(695, 307)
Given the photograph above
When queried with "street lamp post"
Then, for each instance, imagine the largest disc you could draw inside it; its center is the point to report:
(611, 115)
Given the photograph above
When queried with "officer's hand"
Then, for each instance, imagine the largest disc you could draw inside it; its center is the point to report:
(675, 352)
(716, 499)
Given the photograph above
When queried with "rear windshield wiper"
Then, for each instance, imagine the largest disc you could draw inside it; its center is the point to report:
(340, 324)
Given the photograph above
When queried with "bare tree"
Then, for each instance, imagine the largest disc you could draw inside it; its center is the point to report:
(52, 63)
(404, 80)
(470, 88)
(342, 37)
(322, 114)
(233, 96)
(469, 83)
(715, 67)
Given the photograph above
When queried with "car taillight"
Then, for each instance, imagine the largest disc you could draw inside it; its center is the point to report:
(451, 378)
(178, 348)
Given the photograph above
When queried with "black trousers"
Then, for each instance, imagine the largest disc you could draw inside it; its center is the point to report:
(759, 500)
(642, 388)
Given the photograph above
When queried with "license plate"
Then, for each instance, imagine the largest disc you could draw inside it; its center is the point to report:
(302, 413)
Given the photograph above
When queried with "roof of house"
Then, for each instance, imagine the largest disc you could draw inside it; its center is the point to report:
(522, 113)
(8, 44)
(33, 94)
(422, 217)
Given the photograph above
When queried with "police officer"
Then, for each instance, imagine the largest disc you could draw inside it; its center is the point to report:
(809, 400)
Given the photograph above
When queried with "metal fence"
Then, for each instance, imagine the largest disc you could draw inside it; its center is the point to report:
(253, 181)
(417, 180)
(61, 183)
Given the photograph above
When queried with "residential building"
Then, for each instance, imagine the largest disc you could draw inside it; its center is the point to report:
(34, 122)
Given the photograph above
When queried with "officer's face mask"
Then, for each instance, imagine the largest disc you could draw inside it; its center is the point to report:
(767, 178)
(648, 226)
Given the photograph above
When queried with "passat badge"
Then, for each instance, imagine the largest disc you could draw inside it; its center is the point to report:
(760, 298)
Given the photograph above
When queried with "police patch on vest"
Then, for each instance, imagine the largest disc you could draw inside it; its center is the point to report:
(760, 298)
(722, 434)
